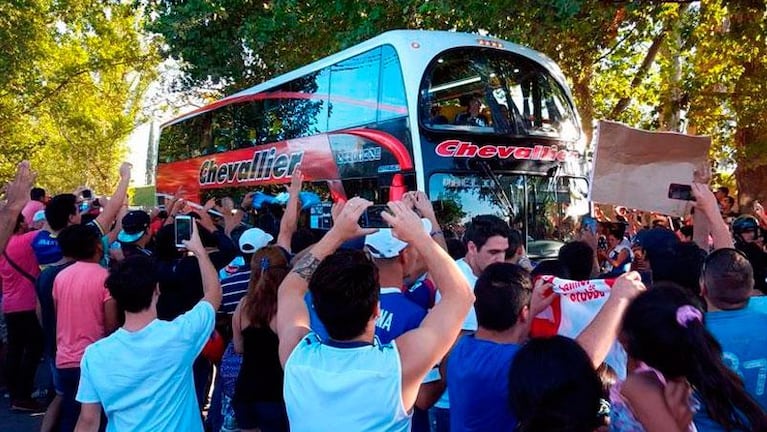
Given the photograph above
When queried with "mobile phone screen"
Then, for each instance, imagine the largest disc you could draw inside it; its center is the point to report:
(183, 225)
(372, 217)
(680, 192)
(320, 216)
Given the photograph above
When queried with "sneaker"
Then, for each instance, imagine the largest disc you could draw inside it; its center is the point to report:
(28, 405)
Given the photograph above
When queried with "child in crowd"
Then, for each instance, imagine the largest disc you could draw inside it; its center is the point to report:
(553, 387)
(670, 348)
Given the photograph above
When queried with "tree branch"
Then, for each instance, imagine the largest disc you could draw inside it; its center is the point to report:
(69, 79)
(649, 59)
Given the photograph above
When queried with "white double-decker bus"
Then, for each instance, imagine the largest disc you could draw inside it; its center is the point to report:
(480, 124)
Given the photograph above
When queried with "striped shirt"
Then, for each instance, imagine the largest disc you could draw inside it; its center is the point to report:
(234, 288)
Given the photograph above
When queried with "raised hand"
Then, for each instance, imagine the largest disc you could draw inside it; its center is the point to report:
(296, 181)
(628, 286)
(194, 244)
(422, 203)
(247, 201)
(125, 169)
(405, 223)
(705, 200)
(541, 298)
(17, 191)
(345, 221)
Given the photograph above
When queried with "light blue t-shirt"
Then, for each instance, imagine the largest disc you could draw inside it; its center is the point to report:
(336, 386)
(744, 345)
(143, 379)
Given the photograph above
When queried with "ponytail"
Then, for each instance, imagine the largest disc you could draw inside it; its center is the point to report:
(268, 268)
(719, 388)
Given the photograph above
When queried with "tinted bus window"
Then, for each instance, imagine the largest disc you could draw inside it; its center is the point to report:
(551, 204)
(490, 91)
(393, 101)
(354, 91)
(186, 139)
(223, 129)
(301, 107)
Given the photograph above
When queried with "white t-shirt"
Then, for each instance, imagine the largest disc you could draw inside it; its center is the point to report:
(143, 379)
(470, 323)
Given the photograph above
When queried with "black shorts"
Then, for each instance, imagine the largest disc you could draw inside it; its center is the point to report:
(267, 416)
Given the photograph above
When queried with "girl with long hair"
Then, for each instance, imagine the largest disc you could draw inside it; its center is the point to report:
(258, 401)
(664, 335)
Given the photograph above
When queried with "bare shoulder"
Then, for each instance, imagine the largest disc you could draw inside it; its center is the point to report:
(640, 384)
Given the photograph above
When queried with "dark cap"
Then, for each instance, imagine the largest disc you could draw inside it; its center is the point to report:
(134, 225)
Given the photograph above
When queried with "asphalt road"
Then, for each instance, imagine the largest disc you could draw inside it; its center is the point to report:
(17, 422)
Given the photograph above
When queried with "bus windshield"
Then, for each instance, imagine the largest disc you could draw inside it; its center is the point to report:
(552, 204)
(482, 90)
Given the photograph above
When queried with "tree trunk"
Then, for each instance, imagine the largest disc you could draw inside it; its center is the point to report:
(751, 177)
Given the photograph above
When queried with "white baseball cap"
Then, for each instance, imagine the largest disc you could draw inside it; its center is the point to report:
(383, 244)
(254, 239)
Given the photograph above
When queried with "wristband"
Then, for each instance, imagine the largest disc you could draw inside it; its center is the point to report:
(436, 233)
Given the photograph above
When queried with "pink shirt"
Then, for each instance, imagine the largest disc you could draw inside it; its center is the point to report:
(79, 295)
(30, 209)
(18, 291)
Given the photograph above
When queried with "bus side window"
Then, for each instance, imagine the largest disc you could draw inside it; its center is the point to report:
(354, 90)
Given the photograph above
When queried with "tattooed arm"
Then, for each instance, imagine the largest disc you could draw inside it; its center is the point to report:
(292, 314)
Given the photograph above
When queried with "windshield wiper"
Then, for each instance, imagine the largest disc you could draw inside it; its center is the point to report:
(499, 192)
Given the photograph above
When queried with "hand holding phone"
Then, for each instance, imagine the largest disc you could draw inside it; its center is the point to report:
(372, 218)
(183, 229)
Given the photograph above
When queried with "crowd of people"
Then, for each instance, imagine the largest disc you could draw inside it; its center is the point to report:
(277, 328)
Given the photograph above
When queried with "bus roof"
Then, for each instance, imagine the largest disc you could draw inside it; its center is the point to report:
(428, 42)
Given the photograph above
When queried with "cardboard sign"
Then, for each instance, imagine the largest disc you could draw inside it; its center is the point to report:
(633, 167)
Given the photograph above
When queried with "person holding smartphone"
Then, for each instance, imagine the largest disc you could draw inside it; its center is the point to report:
(142, 374)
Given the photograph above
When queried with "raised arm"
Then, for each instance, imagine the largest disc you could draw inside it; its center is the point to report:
(422, 203)
(420, 349)
(210, 285)
(289, 221)
(705, 202)
(108, 215)
(17, 196)
(292, 315)
(598, 337)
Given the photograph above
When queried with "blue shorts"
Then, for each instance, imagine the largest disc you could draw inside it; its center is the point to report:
(55, 377)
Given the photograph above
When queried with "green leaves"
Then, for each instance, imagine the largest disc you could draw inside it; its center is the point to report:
(72, 75)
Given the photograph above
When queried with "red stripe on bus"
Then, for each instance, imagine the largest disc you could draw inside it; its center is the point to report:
(387, 141)
(287, 95)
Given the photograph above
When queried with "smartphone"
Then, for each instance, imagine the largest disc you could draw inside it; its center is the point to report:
(680, 192)
(183, 225)
(320, 216)
(372, 217)
(86, 194)
(589, 223)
